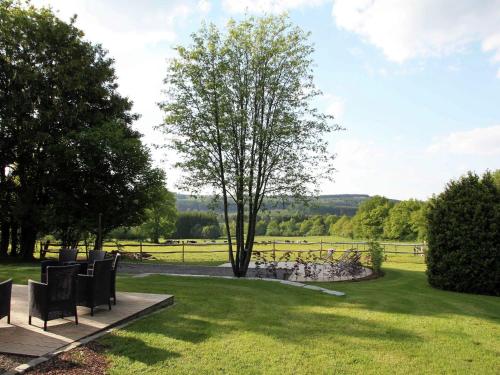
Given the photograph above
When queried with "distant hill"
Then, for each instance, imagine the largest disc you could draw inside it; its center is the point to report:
(338, 204)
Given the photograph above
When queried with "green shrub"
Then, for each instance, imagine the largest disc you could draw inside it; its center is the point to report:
(376, 256)
(211, 232)
(464, 236)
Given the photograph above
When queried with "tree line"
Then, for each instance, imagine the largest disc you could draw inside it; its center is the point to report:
(376, 218)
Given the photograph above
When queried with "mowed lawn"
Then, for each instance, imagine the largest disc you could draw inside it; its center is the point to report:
(395, 324)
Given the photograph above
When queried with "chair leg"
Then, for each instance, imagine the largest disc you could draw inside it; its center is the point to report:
(8, 319)
(91, 311)
(76, 316)
(109, 304)
(29, 320)
(45, 325)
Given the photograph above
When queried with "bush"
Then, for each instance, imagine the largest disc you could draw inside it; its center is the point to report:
(126, 233)
(211, 232)
(376, 256)
(464, 236)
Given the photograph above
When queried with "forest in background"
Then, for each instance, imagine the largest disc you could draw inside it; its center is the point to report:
(374, 217)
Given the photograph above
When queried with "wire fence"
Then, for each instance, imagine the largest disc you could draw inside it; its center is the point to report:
(213, 252)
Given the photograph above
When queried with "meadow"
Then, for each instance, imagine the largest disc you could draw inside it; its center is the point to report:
(205, 252)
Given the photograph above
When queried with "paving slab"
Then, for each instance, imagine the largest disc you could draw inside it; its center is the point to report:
(21, 338)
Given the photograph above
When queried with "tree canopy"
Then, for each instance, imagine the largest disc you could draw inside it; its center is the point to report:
(67, 148)
(240, 112)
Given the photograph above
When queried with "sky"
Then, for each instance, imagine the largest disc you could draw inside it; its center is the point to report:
(416, 84)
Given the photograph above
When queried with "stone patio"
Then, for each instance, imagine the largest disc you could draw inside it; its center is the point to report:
(21, 338)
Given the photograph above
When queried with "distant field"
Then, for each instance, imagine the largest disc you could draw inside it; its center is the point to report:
(209, 253)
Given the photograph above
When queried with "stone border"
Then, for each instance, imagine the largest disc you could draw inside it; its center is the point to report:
(285, 282)
(154, 309)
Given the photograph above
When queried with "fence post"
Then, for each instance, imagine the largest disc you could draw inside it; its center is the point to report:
(321, 248)
(140, 250)
(182, 251)
(274, 249)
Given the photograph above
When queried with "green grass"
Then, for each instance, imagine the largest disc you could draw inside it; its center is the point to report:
(395, 324)
(201, 252)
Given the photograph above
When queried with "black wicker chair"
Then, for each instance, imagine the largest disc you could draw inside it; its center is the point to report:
(56, 298)
(5, 294)
(94, 290)
(114, 270)
(66, 257)
(87, 266)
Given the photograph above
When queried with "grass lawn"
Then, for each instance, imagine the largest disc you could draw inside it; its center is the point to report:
(395, 324)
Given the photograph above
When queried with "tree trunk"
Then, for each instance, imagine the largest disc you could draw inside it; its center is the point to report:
(4, 241)
(14, 238)
(28, 240)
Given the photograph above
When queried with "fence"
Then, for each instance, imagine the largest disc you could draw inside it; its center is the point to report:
(191, 251)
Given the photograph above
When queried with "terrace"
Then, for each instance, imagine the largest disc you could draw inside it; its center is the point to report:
(31, 340)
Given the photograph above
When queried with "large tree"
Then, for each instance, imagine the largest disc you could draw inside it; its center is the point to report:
(401, 224)
(240, 112)
(66, 136)
(370, 217)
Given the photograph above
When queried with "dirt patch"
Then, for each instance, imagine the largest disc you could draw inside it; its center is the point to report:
(87, 359)
(10, 361)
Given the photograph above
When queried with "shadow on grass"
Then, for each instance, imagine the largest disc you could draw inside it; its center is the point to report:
(137, 350)
(209, 307)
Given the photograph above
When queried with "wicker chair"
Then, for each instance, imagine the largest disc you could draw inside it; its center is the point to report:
(5, 294)
(94, 290)
(114, 270)
(66, 257)
(56, 298)
(87, 266)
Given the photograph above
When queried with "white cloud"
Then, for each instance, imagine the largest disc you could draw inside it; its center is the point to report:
(371, 167)
(478, 142)
(267, 6)
(405, 30)
(401, 169)
(204, 6)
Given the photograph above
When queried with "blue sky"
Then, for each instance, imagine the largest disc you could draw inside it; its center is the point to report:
(415, 83)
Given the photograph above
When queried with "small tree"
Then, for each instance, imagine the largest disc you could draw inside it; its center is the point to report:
(261, 228)
(240, 115)
(161, 217)
(211, 231)
(464, 236)
(376, 254)
(273, 228)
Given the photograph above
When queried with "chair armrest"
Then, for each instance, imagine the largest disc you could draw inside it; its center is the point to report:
(69, 263)
(37, 295)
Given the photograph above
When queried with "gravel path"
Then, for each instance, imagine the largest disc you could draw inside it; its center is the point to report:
(135, 268)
